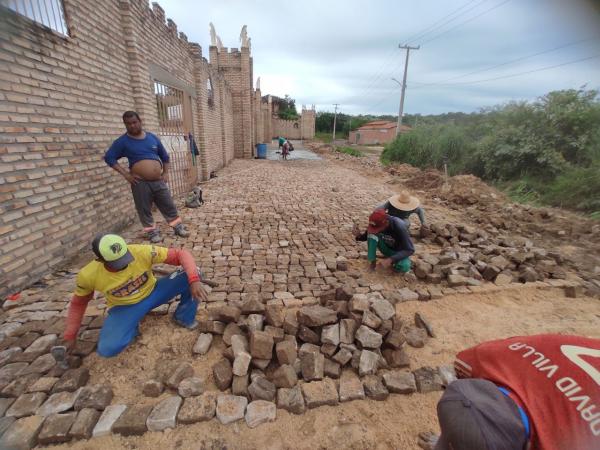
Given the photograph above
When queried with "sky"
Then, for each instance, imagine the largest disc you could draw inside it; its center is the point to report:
(473, 53)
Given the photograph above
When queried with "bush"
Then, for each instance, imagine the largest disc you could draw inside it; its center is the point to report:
(350, 151)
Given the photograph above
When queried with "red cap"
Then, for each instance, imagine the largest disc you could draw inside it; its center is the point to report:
(378, 221)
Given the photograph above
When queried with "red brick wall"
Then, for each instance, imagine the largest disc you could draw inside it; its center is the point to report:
(61, 101)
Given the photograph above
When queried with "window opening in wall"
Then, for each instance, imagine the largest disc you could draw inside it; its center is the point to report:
(49, 13)
(210, 92)
(296, 125)
(177, 135)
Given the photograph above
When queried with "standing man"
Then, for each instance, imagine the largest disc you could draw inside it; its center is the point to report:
(147, 174)
(123, 273)
(527, 392)
(390, 236)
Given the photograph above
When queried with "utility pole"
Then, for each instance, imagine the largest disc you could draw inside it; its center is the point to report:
(401, 108)
(334, 120)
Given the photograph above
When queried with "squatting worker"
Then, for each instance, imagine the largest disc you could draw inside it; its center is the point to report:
(524, 393)
(147, 174)
(390, 236)
(123, 273)
(403, 205)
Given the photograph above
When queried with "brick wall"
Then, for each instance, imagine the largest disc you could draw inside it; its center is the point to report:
(302, 128)
(61, 101)
(372, 137)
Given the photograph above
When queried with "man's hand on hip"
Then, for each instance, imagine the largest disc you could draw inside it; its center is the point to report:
(132, 178)
(198, 291)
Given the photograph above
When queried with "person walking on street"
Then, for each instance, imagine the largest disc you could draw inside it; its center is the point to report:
(147, 174)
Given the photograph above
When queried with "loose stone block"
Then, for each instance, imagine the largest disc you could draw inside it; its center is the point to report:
(312, 365)
(395, 339)
(262, 389)
(211, 326)
(415, 337)
(22, 434)
(347, 330)
(57, 403)
(344, 293)
(291, 400)
(107, 420)
(72, 380)
(254, 322)
(368, 363)
(56, 428)
(290, 323)
(407, 295)
(342, 357)
(286, 352)
(284, 377)
(330, 334)
(422, 322)
(202, 344)
(396, 357)
(316, 316)
(368, 338)
(5, 404)
(319, 393)
(97, 397)
(230, 408)
(259, 412)
(371, 320)
(164, 414)
(42, 344)
(277, 333)
(133, 421)
(239, 344)
(40, 365)
(190, 387)
(374, 388)
(307, 335)
(359, 303)
(20, 385)
(428, 380)
(84, 424)
(331, 369)
(241, 364)
(384, 309)
(261, 345)
(275, 315)
(223, 374)
(198, 409)
(400, 382)
(227, 314)
(447, 374)
(26, 405)
(43, 384)
(183, 370)
(5, 424)
(239, 386)
(152, 388)
(351, 388)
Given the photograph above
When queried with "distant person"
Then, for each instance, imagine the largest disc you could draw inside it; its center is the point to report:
(523, 393)
(281, 141)
(285, 150)
(147, 174)
(390, 236)
(403, 205)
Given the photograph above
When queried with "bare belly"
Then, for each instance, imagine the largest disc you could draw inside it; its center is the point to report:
(147, 169)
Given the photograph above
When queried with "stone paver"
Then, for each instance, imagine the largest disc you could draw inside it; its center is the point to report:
(230, 408)
(107, 420)
(22, 434)
(164, 414)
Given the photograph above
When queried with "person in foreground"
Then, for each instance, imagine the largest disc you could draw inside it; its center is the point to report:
(123, 273)
(147, 174)
(524, 393)
(390, 236)
(402, 206)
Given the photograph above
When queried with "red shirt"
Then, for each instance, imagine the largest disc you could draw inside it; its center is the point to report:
(554, 378)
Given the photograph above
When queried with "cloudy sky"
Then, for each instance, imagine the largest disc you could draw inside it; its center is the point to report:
(474, 53)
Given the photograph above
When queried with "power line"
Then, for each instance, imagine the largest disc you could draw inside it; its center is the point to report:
(435, 25)
(466, 21)
(522, 58)
(519, 73)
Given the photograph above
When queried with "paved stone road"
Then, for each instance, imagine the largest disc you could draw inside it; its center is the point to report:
(274, 226)
(299, 152)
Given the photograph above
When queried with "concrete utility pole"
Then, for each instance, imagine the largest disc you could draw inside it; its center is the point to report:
(401, 108)
(334, 120)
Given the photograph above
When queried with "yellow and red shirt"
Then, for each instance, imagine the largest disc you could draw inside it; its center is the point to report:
(127, 286)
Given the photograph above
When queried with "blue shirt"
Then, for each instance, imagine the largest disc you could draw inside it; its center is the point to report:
(136, 150)
(397, 238)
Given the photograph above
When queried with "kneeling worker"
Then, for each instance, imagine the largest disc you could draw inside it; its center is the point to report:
(390, 236)
(124, 275)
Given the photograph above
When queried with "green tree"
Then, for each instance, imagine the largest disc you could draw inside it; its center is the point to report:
(287, 108)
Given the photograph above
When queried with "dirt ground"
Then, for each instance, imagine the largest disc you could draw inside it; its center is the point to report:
(459, 321)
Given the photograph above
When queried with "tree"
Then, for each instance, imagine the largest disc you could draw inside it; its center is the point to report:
(287, 108)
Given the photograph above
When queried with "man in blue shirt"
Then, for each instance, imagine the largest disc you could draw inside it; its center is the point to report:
(147, 174)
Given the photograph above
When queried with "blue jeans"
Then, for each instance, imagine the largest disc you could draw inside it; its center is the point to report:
(121, 325)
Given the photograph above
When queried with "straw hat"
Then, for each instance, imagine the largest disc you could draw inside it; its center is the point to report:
(404, 201)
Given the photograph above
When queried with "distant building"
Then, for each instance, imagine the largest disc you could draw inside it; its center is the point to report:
(376, 132)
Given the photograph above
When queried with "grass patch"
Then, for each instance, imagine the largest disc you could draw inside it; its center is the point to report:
(350, 151)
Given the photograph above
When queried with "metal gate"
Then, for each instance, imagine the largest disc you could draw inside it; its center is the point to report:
(177, 135)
